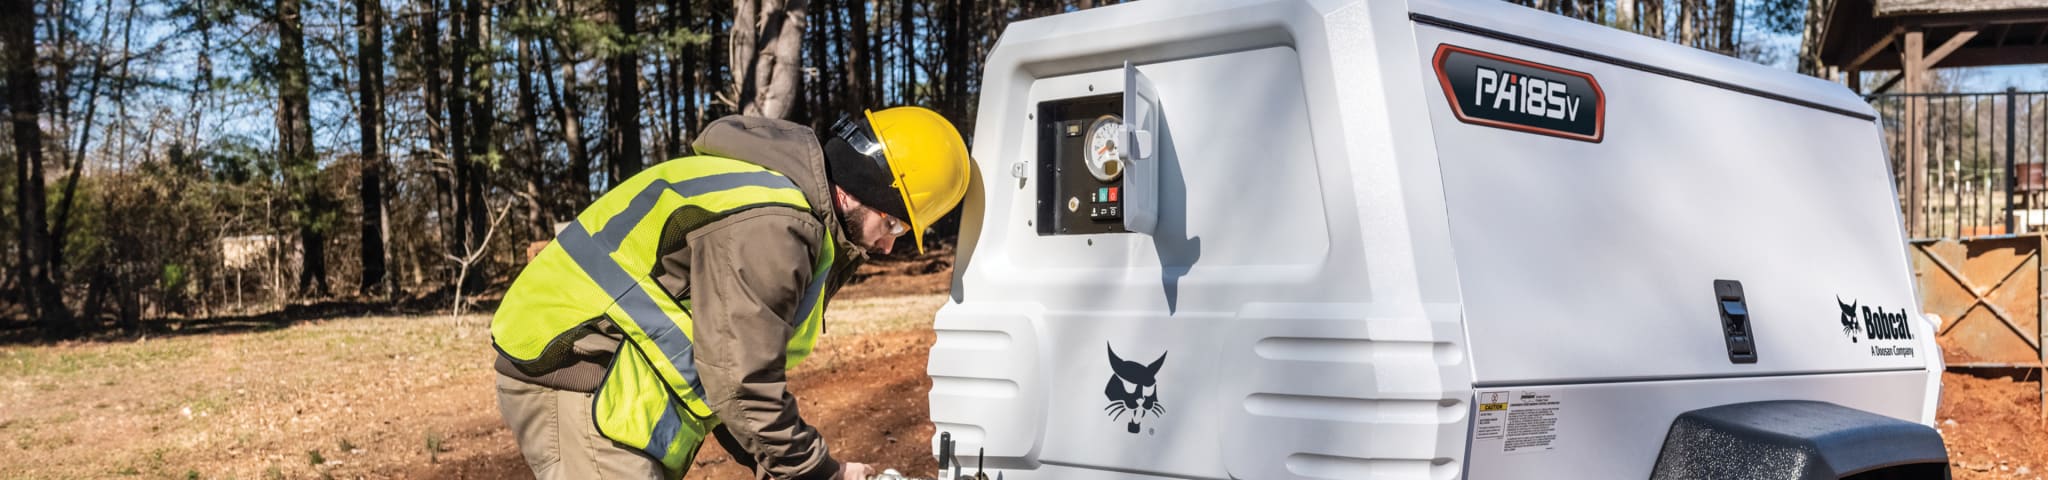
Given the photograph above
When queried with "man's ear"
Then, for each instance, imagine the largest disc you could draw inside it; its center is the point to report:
(842, 200)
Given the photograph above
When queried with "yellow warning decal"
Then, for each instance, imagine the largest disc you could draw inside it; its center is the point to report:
(1489, 407)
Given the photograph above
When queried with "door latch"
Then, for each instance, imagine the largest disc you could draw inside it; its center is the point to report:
(1741, 339)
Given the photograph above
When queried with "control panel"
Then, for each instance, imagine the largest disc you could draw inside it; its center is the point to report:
(1081, 166)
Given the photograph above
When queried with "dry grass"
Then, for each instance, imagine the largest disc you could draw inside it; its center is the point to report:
(237, 405)
(372, 397)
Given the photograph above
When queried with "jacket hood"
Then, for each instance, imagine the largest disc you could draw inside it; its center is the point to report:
(787, 148)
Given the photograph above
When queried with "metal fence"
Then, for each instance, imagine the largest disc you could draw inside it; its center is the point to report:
(1968, 164)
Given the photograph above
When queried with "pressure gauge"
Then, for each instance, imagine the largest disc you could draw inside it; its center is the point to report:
(1104, 155)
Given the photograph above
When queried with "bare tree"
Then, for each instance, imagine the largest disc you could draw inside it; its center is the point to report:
(567, 105)
(1724, 26)
(1809, 42)
(481, 101)
(907, 90)
(622, 89)
(74, 158)
(1689, 22)
(1625, 15)
(1652, 19)
(295, 145)
(767, 51)
(694, 69)
(17, 29)
(458, 101)
(370, 92)
(861, 79)
(568, 113)
(468, 259)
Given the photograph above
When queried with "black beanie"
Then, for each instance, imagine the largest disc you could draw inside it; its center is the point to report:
(864, 177)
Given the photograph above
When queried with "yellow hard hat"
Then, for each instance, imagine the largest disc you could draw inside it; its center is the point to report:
(927, 160)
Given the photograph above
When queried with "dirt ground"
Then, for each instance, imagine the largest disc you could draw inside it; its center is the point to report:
(411, 397)
(1993, 426)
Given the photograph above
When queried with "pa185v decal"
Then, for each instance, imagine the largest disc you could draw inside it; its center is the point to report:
(1498, 91)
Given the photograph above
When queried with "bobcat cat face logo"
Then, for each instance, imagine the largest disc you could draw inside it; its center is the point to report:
(1133, 390)
(1849, 325)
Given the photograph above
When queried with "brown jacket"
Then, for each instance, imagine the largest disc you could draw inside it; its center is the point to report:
(744, 275)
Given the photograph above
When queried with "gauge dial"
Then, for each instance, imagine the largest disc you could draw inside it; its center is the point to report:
(1104, 155)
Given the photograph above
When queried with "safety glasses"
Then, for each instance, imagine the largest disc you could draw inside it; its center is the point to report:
(896, 227)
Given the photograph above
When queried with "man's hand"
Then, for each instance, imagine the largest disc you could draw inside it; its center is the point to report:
(855, 471)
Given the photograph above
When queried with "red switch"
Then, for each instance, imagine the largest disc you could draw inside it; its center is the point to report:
(1112, 193)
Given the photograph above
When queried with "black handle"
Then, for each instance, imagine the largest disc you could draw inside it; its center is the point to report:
(1735, 329)
(945, 452)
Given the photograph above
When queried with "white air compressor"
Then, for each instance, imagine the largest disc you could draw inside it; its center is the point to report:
(1303, 239)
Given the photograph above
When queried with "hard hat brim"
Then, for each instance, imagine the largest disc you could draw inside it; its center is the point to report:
(896, 182)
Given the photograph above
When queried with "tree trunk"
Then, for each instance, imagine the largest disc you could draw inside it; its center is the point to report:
(1809, 42)
(671, 80)
(878, 70)
(957, 47)
(538, 176)
(840, 74)
(622, 99)
(295, 147)
(906, 92)
(767, 37)
(17, 32)
(820, 91)
(459, 99)
(742, 48)
(1724, 27)
(370, 75)
(481, 102)
(568, 112)
(671, 121)
(1688, 23)
(202, 81)
(434, 93)
(862, 78)
(693, 71)
(1625, 15)
(1653, 19)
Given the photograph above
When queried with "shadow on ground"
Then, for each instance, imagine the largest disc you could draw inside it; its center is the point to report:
(27, 333)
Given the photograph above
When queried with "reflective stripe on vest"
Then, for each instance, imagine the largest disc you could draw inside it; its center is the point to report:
(584, 275)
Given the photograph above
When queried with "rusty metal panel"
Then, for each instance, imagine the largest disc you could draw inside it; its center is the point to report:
(1988, 294)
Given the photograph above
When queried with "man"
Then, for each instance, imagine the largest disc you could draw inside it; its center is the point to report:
(670, 309)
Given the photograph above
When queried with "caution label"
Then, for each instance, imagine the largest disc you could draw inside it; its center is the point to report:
(1516, 421)
(1492, 420)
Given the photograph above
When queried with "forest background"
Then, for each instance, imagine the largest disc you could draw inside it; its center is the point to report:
(178, 159)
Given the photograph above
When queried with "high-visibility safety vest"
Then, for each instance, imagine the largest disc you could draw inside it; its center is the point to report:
(598, 267)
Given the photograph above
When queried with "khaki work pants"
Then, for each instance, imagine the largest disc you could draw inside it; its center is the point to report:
(559, 438)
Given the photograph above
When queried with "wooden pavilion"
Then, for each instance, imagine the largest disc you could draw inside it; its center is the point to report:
(1913, 36)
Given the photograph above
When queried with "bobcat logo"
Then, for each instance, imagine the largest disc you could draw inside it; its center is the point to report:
(1133, 390)
(1850, 326)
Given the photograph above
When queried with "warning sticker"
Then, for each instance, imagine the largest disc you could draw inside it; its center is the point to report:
(1532, 422)
(1493, 415)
